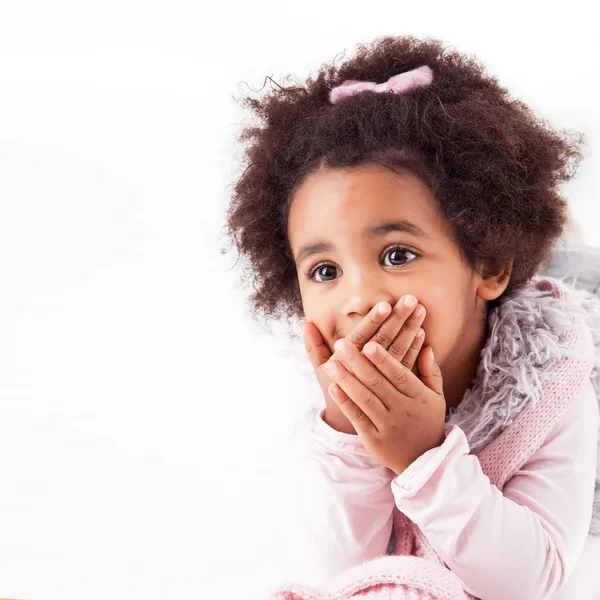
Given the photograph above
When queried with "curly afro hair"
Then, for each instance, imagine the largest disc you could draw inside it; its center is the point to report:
(494, 167)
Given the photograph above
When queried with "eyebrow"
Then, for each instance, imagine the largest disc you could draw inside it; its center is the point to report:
(368, 232)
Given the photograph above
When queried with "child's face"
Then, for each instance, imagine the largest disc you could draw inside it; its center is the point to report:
(334, 207)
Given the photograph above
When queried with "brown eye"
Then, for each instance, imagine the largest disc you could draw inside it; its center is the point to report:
(324, 271)
(397, 256)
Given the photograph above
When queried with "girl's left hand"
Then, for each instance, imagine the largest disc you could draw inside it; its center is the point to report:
(397, 414)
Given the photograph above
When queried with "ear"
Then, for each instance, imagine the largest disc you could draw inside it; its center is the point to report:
(494, 280)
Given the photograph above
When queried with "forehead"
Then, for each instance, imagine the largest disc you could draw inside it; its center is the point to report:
(348, 200)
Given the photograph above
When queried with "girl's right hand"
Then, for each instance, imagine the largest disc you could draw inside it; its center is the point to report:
(397, 333)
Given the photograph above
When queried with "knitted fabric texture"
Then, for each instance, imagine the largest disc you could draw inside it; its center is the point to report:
(543, 343)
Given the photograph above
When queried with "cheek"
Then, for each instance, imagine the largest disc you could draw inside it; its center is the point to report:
(323, 318)
(443, 323)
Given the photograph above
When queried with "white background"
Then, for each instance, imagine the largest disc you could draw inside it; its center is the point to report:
(144, 418)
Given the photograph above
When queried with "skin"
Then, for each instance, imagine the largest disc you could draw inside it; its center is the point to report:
(333, 206)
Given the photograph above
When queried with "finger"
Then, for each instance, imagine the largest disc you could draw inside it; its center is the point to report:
(317, 350)
(367, 374)
(403, 379)
(314, 344)
(360, 395)
(388, 331)
(369, 325)
(404, 340)
(410, 358)
(431, 374)
(361, 423)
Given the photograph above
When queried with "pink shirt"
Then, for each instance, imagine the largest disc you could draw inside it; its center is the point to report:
(523, 542)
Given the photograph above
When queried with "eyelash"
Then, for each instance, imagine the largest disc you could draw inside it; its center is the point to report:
(310, 273)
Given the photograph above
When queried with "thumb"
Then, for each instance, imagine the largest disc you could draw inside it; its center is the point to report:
(431, 374)
(314, 344)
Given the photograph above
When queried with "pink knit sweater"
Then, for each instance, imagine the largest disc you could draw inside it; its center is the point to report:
(502, 508)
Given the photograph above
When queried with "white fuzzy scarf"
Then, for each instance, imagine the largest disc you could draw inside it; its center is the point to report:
(521, 349)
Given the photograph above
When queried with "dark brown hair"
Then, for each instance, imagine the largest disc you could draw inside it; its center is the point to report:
(494, 167)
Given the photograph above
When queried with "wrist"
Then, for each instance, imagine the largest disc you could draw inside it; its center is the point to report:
(339, 424)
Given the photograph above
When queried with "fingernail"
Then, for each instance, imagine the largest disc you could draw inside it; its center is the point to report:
(340, 346)
(383, 307)
(370, 349)
(410, 301)
(331, 368)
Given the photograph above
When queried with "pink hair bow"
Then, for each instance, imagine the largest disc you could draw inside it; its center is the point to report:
(420, 77)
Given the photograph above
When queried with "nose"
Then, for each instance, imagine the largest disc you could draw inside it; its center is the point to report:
(362, 293)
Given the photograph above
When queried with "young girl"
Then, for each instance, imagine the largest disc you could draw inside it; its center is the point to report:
(460, 431)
